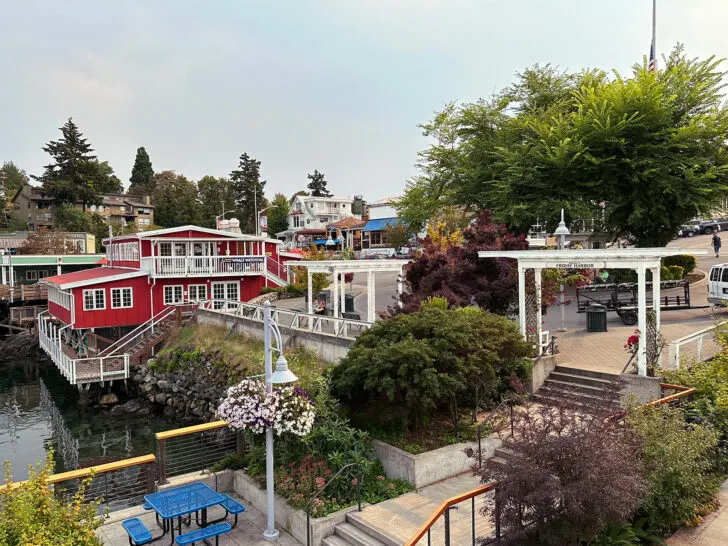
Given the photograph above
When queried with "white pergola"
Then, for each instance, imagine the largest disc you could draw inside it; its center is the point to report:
(340, 267)
(639, 259)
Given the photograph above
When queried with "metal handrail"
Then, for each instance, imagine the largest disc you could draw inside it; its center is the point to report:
(360, 477)
(444, 508)
(506, 401)
(674, 348)
(136, 332)
(631, 358)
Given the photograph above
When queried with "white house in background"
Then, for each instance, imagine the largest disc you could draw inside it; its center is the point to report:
(308, 217)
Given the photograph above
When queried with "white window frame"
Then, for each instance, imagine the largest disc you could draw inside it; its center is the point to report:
(196, 289)
(95, 292)
(31, 275)
(174, 299)
(120, 292)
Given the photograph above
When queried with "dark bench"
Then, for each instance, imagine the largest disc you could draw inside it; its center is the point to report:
(137, 531)
(206, 532)
(232, 506)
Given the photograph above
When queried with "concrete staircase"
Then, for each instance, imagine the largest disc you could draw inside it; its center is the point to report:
(355, 532)
(575, 385)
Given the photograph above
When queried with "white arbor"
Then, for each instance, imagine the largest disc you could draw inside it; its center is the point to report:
(638, 259)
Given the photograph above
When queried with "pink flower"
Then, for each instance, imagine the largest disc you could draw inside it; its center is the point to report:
(320, 482)
(380, 478)
(354, 481)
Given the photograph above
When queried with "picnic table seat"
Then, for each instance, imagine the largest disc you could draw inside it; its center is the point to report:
(137, 531)
(201, 534)
(232, 506)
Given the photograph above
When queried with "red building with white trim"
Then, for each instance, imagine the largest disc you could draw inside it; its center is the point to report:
(148, 273)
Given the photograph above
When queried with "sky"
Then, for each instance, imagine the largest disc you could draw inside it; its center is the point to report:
(334, 85)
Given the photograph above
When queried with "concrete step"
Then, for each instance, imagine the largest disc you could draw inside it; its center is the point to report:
(370, 530)
(355, 535)
(586, 373)
(549, 396)
(579, 379)
(335, 540)
(553, 384)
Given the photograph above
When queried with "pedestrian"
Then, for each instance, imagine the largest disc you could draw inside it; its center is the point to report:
(716, 244)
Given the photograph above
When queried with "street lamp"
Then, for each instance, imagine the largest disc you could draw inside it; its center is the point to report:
(281, 375)
(561, 232)
(224, 212)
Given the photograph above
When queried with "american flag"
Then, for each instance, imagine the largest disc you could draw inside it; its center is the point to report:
(652, 64)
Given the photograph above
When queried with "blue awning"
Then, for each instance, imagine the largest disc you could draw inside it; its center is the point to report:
(380, 223)
(323, 241)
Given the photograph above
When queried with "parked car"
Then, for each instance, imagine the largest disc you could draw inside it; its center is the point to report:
(708, 227)
(688, 230)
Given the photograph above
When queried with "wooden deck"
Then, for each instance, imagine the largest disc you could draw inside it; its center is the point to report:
(23, 292)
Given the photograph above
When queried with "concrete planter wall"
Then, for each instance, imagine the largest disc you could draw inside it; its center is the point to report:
(290, 519)
(432, 466)
(644, 389)
(540, 373)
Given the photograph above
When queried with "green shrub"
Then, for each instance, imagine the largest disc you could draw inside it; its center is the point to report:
(411, 366)
(677, 459)
(687, 261)
(676, 272)
(665, 274)
(31, 514)
(267, 290)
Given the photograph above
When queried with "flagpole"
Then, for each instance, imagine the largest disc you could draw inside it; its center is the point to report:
(654, 31)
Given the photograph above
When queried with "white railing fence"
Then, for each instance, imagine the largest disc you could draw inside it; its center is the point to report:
(699, 346)
(336, 326)
(172, 266)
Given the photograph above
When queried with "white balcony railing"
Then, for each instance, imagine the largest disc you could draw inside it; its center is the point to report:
(175, 266)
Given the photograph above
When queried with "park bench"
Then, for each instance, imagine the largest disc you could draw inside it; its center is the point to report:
(206, 532)
(137, 531)
(232, 506)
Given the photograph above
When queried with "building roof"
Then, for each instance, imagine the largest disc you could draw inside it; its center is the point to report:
(348, 223)
(384, 202)
(92, 276)
(380, 223)
(12, 242)
(167, 231)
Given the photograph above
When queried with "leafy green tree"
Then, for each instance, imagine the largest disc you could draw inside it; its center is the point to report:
(175, 200)
(141, 174)
(398, 234)
(105, 179)
(74, 176)
(278, 215)
(639, 155)
(11, 177)
(318, 184)
(411, 366)
(248, 191)
(216, 195)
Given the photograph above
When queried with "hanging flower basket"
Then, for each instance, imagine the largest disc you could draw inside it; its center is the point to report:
(247, 406)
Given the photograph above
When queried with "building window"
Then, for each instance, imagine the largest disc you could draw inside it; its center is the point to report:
(172, 294)
(31, 275)
(94, 299)
(121, 298)
(165, 249)
(198, 292)
(43, 273)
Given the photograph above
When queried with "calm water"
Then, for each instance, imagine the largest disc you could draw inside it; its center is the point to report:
(38, 412)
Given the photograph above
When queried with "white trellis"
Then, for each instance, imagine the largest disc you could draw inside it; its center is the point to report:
(639, 259)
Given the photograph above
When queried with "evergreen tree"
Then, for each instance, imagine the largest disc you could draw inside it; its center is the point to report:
(175, 200)
(248, 189)
(278, 215)
(141, 174)
(216, 195)
(318, 185)
(74, 175)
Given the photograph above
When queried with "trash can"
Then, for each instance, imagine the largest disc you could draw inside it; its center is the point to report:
(596, 318)
(348, 303)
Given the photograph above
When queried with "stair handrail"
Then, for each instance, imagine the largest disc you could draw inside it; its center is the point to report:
(449, 503)
(136, 332)
(359, 478)
(507, 401)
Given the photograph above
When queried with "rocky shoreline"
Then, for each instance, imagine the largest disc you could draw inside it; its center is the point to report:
(21, 346)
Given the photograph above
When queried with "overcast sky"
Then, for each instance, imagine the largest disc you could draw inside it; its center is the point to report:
(334, 85)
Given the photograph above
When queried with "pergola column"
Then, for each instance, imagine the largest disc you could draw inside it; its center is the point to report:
(343, 293)
(539, 326)
(371, 287)
(310, 291)
(656, 294)
(335, 295)
(642, 319)
(400, 287)
(522, 299)
(58, 269)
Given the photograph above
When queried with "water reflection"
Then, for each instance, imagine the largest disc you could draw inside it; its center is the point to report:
(38, 411)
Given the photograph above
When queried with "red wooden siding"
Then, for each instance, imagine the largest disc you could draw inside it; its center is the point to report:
(59, 312)
(137, 314)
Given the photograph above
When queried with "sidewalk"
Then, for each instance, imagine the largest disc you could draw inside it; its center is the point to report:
(712, 532)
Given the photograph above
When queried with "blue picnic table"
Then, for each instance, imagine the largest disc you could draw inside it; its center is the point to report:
(182, 501)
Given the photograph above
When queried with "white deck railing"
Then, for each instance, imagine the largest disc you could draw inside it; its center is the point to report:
(339, 327)
(78, 370)
(175, 266)
(700, 345)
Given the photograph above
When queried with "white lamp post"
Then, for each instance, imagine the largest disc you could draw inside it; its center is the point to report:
(561, 232)
(281, 375)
